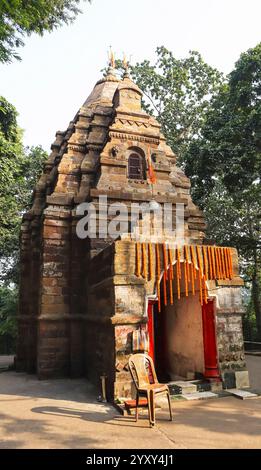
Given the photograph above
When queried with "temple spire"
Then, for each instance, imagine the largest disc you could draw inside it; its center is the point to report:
(111, 59)
(125, 64)
(110, 72)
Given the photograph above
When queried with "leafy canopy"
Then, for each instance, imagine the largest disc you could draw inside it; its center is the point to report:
(230, 143)
(224, 165)
(19, 170)
(20, 18)
(178, 92)
(8, 306)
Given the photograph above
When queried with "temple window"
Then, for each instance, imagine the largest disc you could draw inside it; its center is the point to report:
(136, 167)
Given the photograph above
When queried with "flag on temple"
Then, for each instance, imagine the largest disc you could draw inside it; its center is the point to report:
(112, 60)
(152, 176)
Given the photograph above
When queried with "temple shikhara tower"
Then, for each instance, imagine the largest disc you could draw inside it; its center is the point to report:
(86, 304)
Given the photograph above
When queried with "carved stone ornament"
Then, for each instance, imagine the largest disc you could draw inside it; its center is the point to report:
(115, 150)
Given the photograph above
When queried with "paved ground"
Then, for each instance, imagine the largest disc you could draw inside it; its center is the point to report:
(65, 414)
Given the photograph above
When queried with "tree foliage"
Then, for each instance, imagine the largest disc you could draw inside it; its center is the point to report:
(8, 306)
(178, 92)
(20, 18)
(11, 159)
(230, 142)
(235, 221)
(19, 169)
(224, 165)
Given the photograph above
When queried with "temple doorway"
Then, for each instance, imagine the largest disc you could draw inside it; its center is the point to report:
(183, 338)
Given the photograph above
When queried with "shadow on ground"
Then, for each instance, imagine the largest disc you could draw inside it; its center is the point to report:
(27, 385)
(21, 427)
(65, 414)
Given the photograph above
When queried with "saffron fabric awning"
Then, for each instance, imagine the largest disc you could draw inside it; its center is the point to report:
(200, 263)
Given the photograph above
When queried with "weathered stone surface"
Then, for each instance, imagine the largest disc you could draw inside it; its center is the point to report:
(242, 379)
(230, 341)
(181, 386)
(229, 380)
(80, 299)
(243, 394)
(199, 395)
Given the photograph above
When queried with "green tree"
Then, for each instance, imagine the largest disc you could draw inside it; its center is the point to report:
(19, 169)
(177, 92)
(234, 220)
(224, 165)
(8, 305)
(8, 326)
(20, 18)
(11, 159)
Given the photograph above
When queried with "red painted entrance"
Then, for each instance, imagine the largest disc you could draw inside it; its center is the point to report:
(151, 330)
(209, 339)
(157, 337)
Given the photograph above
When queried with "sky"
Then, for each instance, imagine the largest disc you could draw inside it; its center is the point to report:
(59, 70)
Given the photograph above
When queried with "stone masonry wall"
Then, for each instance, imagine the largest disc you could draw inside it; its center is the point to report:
(99, 347)
(80, 301)
(116, 307)
(230, 341)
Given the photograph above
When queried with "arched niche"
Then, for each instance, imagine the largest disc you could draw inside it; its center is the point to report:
(136, 167)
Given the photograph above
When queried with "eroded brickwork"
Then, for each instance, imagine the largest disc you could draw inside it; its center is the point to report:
(230, 341)
(80, 299)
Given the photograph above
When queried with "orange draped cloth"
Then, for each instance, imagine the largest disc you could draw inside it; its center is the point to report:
(205, 262)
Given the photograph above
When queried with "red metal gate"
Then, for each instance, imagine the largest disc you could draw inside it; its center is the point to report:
(209, 339)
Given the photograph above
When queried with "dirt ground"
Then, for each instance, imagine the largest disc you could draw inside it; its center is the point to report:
(65, 414)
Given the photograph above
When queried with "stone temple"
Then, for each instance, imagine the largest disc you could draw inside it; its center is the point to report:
(82, 299)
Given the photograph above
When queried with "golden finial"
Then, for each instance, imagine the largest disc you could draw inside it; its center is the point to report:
(125, 62)
(111, 59)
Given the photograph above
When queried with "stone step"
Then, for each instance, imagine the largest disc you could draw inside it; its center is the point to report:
(199, 395)
(243, 394)
(179, 387)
